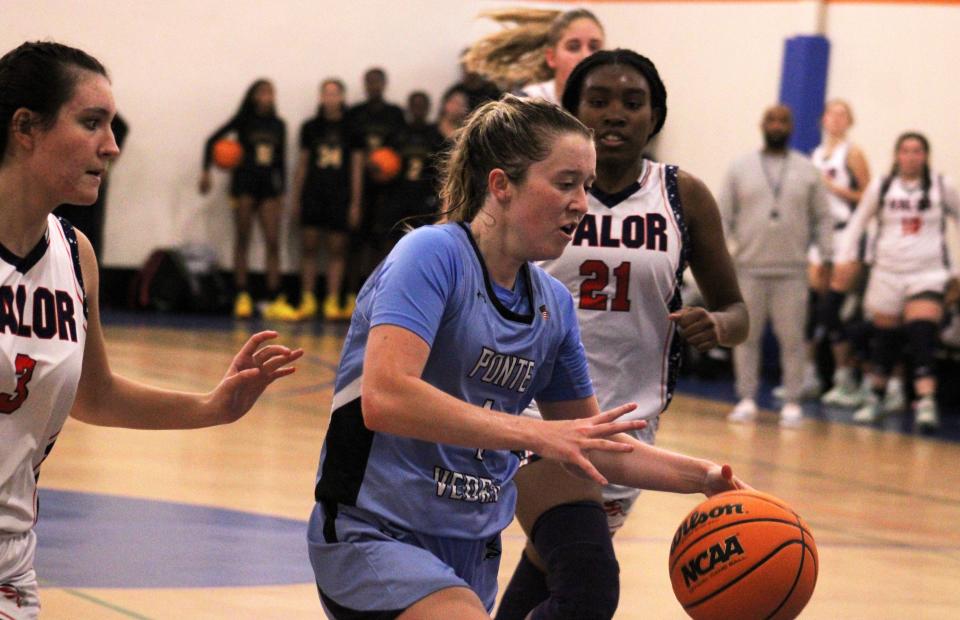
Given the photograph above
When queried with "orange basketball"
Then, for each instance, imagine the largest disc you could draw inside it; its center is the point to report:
(227, 154)
(743, 554)
(384, 164)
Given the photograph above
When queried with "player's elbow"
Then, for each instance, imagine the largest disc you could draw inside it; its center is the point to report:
(376, 403)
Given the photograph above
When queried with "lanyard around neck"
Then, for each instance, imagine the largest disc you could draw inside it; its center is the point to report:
(776, 186)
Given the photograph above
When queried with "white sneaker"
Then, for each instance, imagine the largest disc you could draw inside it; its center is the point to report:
(791, 416)
(927, 418)
(812, 386)
(869, 412)
(894, 400)
(810, 390)
(843, 395)
(745, 411)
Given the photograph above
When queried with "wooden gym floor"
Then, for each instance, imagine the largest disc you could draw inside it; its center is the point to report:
(210, 523)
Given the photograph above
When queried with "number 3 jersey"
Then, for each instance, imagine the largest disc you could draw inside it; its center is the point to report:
(624, 269)
(43, 329)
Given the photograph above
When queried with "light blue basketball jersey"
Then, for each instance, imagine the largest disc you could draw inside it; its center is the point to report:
(495, 349)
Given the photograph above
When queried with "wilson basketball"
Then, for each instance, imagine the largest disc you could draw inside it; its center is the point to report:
(743, 554)
(384, 164)
(227, 154)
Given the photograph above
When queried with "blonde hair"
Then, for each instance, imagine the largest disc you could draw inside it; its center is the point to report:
(509, 134)
(517, 55)
(842, 103)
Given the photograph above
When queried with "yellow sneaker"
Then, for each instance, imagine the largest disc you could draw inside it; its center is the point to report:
(280, 310)
(331, 308)
(308, 306)
(349, 304)
(243, 306)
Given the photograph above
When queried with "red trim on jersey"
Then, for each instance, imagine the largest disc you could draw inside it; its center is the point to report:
(665, 358)
(648, 166)
(11, 594)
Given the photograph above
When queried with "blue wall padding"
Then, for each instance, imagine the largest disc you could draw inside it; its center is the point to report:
(803, 87)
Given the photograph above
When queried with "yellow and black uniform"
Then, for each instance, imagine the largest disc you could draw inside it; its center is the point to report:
(415, 193)
(326, 188)
(262, 173)
(372, 125)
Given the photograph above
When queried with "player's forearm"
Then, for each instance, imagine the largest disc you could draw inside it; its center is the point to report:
(733, 322)
(652, 468)
(128, 404)
(411, 407)
(356, 176)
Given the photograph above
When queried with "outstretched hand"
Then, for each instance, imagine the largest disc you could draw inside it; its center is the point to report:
(698, 327)
(720, 478)
(252, 370)
(569, 441)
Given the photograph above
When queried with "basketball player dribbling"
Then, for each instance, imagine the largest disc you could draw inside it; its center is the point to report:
(56, 106)
(453, 335)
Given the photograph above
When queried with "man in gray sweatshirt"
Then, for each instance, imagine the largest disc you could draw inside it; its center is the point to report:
(774, 206)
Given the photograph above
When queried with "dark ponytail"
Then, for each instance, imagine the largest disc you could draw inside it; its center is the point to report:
(895, 169)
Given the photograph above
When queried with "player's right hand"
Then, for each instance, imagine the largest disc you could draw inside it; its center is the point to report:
(720, 478)
(569, 441)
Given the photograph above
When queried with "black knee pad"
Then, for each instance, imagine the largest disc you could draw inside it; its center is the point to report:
(859, 334)
(810, 332)
(583, 575)
(526, 590)
(829, 316)
(921, 347)
(885, 348)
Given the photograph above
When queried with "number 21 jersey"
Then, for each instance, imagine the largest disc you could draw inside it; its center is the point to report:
(624, 269)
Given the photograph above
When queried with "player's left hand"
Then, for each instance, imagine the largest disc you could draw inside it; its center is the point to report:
(720, 478)
(698, 327)
(252, 370)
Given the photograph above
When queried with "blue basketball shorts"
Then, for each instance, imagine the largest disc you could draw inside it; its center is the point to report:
(366, 564)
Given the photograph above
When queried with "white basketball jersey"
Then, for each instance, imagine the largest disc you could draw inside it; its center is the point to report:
(624, 269)
(909, 238)
(834, 167)
(542, 90)
(43, 328)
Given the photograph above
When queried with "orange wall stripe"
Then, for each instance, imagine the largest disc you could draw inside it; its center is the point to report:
(941, 2)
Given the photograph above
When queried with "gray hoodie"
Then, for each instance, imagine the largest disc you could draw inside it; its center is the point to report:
(774, 208)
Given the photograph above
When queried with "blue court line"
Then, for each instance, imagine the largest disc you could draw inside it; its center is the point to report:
(159, 544)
